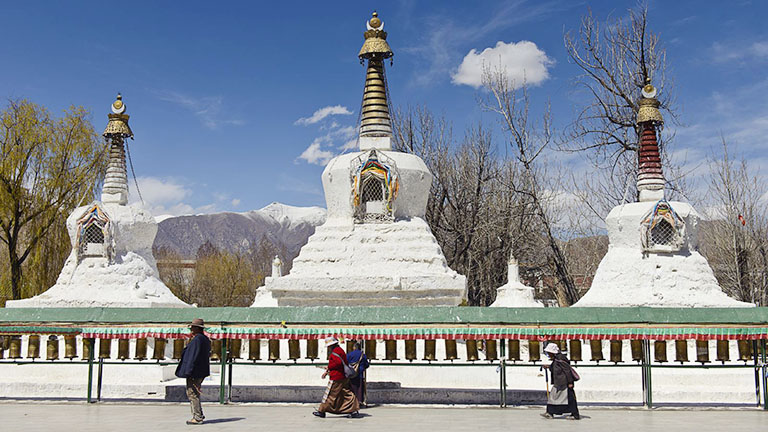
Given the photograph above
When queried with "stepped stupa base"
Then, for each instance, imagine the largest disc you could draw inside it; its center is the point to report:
(388, 264)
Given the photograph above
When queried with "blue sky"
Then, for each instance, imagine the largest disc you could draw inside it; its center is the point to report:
(216, 90)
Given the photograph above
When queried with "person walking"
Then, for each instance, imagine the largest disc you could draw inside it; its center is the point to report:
(195, 366)
(338, 397)
(358, 361)
(561, 398)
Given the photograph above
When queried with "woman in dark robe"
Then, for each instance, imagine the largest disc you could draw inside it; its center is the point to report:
(561, 398)
(358, 360)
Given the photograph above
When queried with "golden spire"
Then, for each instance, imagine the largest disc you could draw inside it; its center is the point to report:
(375, 119)
(118, 120)
(650, 173)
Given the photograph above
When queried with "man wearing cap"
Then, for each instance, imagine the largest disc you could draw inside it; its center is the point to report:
(195, 366)
(338, 398)
(561, 398)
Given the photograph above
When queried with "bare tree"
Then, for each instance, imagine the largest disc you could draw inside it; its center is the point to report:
(528, 141)
(735, 242)
(474, 216)
(616, 60)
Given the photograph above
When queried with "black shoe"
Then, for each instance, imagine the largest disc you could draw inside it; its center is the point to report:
(355, 414)
(318, 414)
(574, 417)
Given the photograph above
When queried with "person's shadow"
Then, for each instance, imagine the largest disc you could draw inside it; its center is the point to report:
(224, 420)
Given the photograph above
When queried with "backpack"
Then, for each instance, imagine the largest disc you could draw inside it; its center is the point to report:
(349, 371)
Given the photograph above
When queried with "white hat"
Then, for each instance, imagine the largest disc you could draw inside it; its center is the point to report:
(331, 340)
(551, 348)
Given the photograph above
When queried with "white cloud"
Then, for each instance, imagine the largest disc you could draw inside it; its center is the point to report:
(165, 197)
(349, 145)
(338, 139)
(314, 154)
(322, 113)
(444, 38)
(235, 202)
(207, 109)
(161, 191)
(346, 132)
(723, 52)
(523, 62)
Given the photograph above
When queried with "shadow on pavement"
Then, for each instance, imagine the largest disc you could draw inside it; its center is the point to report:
(224, 420)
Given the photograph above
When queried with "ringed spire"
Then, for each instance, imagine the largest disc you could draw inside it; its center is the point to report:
(375, 123)
(650, 175)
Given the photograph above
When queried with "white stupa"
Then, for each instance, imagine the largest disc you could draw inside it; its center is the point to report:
(375, 248)
(514, 293)
(653, 257)
(111, 263)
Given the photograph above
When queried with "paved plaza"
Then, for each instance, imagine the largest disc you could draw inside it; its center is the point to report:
(39, 416)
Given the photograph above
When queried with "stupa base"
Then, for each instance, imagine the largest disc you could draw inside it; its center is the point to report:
(96, 283)
(368, 291)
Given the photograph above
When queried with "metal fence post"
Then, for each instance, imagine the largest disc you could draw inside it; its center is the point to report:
(765, 374)
(503, 375)
(98, 380)
(229, 379)
(646, 368)
(223, 369)
(90, 369)
(756, 356)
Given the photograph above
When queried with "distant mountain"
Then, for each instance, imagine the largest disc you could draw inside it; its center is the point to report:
(286, 227)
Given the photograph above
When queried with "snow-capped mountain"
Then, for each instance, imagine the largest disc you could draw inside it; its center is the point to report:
(286, 227)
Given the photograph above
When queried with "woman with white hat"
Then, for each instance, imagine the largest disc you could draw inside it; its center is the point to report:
(338, 398)
(561, 398)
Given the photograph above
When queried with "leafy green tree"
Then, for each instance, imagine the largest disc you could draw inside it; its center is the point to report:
(48, 165)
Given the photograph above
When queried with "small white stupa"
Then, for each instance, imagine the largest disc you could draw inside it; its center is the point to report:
(514, 293)
(653, 257)
(111, 263)
(375, 248)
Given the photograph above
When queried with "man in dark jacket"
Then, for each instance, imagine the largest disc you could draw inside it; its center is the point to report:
(195, 366)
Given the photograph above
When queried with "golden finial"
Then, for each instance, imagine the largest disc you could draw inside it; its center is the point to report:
(648, 106)
(118, 107)
(118, 120)
(375, 44)
(375, 22)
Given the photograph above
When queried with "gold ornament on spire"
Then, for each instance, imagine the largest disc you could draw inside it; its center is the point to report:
(118, 121)
(375, 44)
(648, 110)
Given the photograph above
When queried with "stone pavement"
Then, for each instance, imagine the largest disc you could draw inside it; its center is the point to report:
(80, 417)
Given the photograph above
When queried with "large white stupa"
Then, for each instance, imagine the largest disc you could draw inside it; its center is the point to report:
(653, 257)
(375, 248)
(111, 263)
